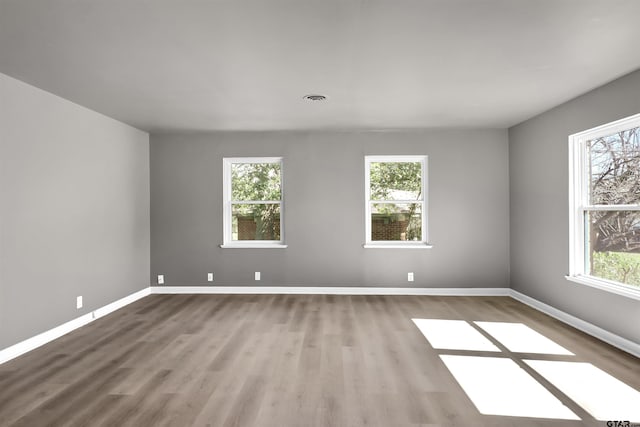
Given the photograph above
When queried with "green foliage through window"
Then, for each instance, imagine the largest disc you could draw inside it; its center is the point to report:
(393, 186)
(617, 266)
(396, 180)
(256, 182)
(613, 236)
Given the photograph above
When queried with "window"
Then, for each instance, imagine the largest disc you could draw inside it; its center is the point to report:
(396, 207)
(605, 207)
(253, 202)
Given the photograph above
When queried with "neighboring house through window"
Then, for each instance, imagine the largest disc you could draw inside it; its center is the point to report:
(605, 207)
(396, 201)
(253, 202)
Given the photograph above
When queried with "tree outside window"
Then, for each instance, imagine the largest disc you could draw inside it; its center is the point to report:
(396, 199)
(612, 214)
(253, 200)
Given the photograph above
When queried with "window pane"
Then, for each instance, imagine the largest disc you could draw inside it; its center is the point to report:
(255, 222)
(255, 181)
(613, 251)
(396, 221)
(396, 180)
(614, 168)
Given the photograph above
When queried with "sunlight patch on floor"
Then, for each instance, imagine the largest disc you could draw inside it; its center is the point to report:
(498, 386)
(522, 339)
(600, 394)
(453, 335)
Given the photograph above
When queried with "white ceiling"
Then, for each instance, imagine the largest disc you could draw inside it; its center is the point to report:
(166, 65)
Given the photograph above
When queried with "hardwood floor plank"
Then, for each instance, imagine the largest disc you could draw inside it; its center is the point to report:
(247, 402)
(101, 409)
(190, 400)
(135, 405)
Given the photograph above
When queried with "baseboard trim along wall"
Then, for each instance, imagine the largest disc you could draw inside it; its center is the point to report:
(52, 334)
(586, 327)
(322, 290)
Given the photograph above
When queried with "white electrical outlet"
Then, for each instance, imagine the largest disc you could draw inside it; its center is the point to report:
(257, 275)
(410, 277)
(79, 302)
(209, 277)
(160, 279)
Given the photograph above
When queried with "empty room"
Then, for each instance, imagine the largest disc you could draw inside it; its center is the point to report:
(320, 213)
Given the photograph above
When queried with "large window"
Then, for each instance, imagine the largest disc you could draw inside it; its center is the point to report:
(253, 202)
(396, 207)
(605, 206)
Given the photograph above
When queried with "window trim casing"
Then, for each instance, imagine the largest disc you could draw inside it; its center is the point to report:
(228, 242)
(578, 205)
(397, 244)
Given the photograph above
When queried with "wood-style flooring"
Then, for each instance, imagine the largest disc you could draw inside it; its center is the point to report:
(274, 360)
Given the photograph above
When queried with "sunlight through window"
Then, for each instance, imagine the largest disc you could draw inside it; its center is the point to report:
(522, 339)
(453, 335)
(498, 386)
(600, 394)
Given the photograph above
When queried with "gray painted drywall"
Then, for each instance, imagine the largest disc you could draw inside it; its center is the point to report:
(538, 159)
(324, 210)
(74, 210)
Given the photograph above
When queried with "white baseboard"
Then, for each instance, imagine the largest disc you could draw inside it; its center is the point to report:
(586, 327)
(50, 335)
(321, 290)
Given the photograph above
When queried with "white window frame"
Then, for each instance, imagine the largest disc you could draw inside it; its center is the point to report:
(579, 204)
(378, 244)
(229, 243)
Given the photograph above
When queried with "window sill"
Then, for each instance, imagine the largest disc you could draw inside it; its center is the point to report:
(396, 246)
(606, 286)
(254, 246)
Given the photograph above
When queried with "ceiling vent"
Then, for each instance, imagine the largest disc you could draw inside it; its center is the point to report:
(314, 98)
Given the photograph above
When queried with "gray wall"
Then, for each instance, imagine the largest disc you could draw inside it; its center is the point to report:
(74, 210)
(324, 209)
(538, 159)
